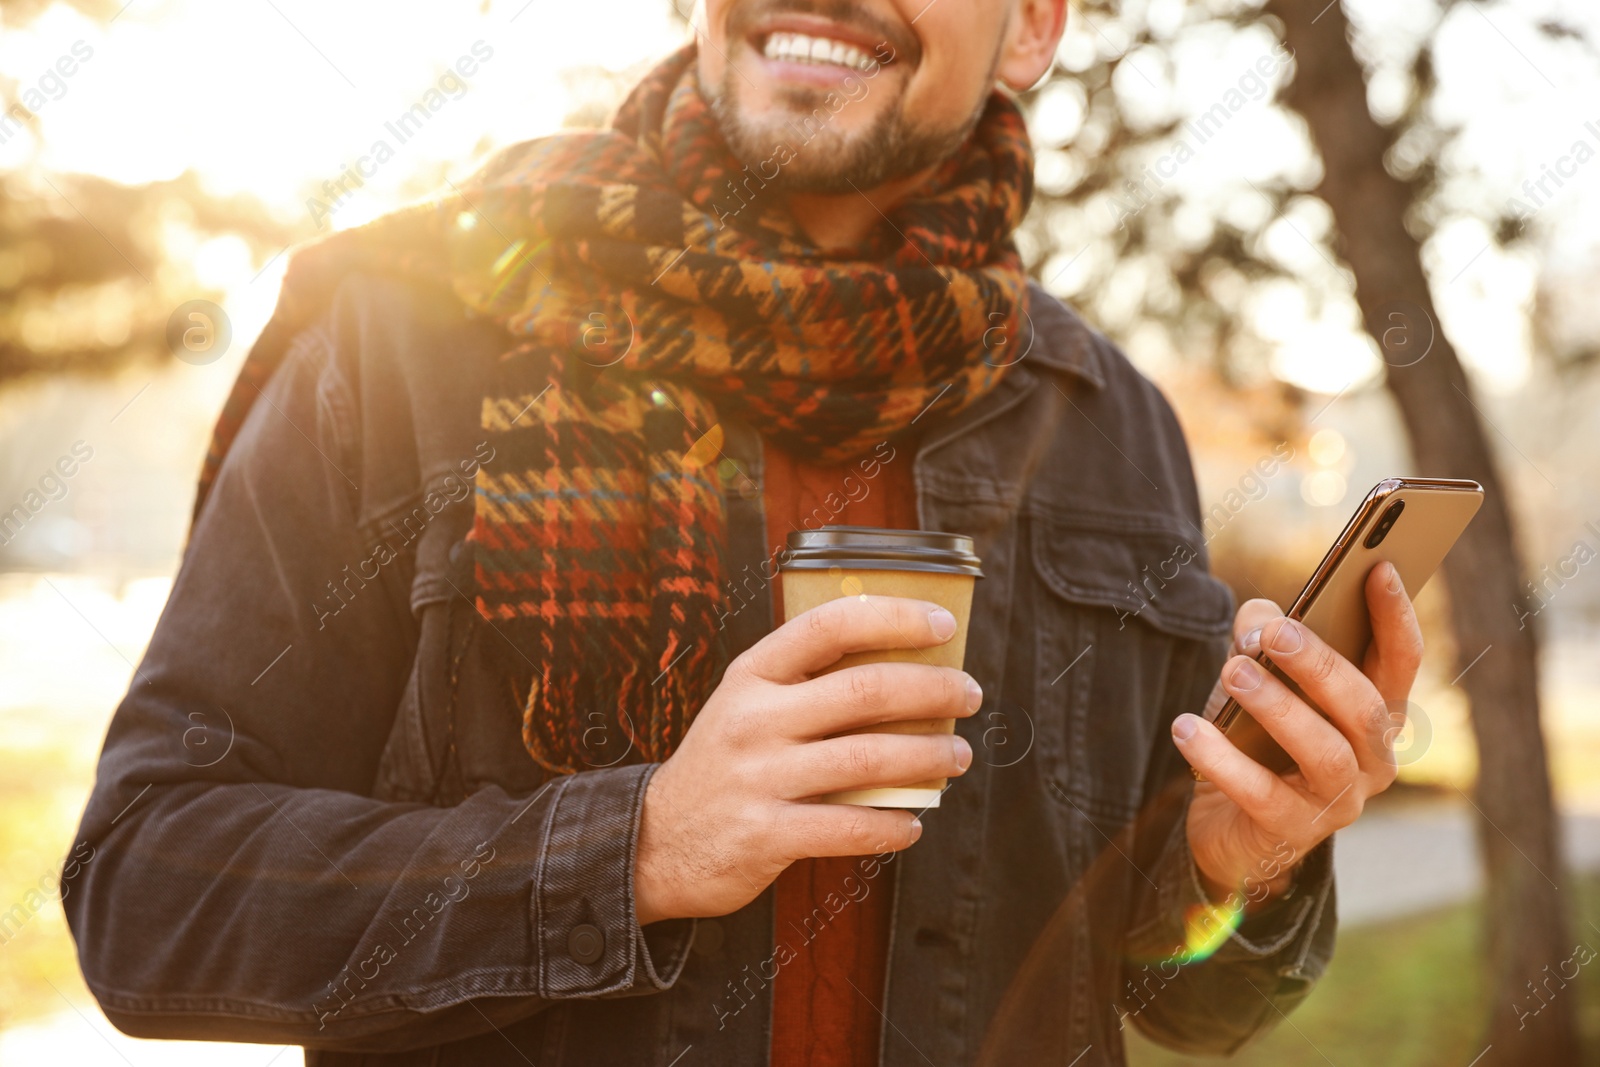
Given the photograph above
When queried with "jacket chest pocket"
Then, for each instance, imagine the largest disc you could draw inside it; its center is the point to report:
(1113, 599)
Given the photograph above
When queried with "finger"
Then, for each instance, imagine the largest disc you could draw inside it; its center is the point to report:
(869, 761)
(1334, 685)
(871, 693)
(817, 638)
(1393, 658)
(1324, 755)
(809, 830)
(1248, 622)
(1259, 793)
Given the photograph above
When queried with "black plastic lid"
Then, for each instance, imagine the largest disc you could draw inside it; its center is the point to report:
(871, 548)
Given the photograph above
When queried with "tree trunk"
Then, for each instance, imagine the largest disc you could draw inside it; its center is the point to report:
(1527, 930)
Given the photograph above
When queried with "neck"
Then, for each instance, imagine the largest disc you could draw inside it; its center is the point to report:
(840, 221)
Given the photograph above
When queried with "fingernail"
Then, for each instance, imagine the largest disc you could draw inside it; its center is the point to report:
(1183, 726)
(1288, 638)
(1251, 642)
(916, 829)
(963, 753)
(1394, 578)
(1244, 677)
(974, 694)
(942, 623)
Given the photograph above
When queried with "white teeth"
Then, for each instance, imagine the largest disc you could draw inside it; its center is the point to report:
(801, 48)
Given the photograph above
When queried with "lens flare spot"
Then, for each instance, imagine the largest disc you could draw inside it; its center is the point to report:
(703, 451)
(1206, 928)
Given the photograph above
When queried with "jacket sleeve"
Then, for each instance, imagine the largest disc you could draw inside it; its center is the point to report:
(1194, 983)
(241, 883)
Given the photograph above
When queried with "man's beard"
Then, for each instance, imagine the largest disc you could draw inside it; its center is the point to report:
(830, 163)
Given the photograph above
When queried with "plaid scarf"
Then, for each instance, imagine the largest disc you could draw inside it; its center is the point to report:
(649, 282)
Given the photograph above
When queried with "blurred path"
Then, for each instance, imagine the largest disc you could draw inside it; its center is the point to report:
(88, 1040)
(1414, 856)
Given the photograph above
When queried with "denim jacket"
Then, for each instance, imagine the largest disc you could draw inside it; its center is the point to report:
(315, 822)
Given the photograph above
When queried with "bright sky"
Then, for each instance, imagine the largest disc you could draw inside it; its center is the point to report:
(275, 96)
(262, 95)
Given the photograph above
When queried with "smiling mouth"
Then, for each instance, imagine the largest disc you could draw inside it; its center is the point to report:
(816, 50)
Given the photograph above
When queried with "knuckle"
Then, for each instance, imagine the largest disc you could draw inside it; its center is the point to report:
(800, 837)
(745, 665)
(860, 759)
(1337, 762)
(1278, 705)
(1324, 666)
(1263, 798)
(868, 687)
(856, 825)
(739, 726)
(822, 622)
(1386, 774)
(1383, 723)
(761, 660)
(818, 836)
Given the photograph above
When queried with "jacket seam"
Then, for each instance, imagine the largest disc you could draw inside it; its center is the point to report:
(545, 834)
(379, 1004)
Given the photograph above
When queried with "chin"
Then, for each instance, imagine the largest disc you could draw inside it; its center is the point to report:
(820, 142)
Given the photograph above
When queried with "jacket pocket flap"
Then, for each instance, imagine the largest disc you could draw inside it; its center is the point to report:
(1140, 567)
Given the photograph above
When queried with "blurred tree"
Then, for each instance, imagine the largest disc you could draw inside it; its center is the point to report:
(87, 279)
(1169, 268)
(88, 272)
(1517, 831)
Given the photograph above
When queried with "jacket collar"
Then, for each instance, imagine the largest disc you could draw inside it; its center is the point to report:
(1055, 337)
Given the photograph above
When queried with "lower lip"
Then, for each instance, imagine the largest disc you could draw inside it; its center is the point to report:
(824, 74)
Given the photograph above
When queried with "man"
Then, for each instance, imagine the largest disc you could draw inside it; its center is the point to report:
(467, 735)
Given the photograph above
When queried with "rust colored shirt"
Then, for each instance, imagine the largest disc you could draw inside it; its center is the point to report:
(833, 912)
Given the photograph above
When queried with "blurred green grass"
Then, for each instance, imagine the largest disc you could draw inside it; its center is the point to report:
(1405, 993)
(41, 796)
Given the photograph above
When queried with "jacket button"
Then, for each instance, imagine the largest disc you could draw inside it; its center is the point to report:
(586, 943)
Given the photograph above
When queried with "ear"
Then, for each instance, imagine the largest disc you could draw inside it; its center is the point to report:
(1029, 49)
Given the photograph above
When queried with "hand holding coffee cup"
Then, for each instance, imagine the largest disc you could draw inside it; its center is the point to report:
(863, 561)
(737, 802)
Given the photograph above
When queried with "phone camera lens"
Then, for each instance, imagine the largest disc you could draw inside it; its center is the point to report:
(1385, 524)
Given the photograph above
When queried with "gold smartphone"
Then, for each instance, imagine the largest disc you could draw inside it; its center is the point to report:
(1410, 522)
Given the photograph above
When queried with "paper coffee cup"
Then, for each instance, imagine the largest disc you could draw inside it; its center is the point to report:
(840, 561)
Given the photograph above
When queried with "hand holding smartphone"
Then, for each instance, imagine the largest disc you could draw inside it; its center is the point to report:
(1410, 522)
